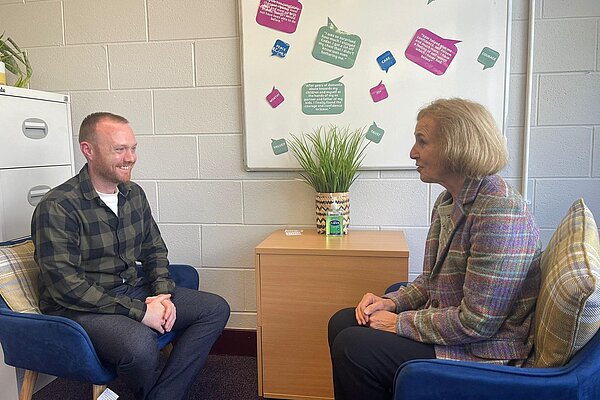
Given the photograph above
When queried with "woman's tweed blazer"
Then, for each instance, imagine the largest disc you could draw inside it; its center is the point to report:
(476, 300)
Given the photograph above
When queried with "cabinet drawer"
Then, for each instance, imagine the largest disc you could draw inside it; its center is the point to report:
(20, 191)
(34, 132)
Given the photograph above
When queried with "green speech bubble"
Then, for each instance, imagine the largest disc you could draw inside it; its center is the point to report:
(319, 98)
(488, 57)
(279, 146)
(336, 47)
(375, 133)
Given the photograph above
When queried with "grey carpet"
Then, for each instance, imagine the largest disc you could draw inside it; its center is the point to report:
(224, 377)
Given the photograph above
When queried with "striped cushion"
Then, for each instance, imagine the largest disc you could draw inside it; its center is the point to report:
(568, 310)
(19, 276)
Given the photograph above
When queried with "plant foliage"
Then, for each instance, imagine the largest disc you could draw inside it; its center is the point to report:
(330, 157)
(15, 60)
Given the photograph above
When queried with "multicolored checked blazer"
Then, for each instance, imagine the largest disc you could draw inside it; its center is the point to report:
(476, 301)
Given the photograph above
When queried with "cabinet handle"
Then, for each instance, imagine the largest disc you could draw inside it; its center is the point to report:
(36, 193)
(35, 128)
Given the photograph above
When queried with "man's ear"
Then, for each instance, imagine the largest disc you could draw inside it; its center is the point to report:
(86, 149)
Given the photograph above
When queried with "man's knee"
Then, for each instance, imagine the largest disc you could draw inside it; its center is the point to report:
(220, 308)
(209, 307)
(141, 349)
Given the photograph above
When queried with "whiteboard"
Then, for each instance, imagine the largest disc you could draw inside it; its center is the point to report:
(312, 63)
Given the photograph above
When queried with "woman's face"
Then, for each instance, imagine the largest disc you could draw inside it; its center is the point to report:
(427, 152)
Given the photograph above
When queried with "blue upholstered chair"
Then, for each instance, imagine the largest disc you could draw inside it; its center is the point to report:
(567, 339)
(59, 346)
(579, 379)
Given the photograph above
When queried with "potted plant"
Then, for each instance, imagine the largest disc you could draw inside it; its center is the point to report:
(330, 158)
(13, 59)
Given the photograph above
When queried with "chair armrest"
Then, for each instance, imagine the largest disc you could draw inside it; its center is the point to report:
(444, 379)
(52, 345)
(184, 276)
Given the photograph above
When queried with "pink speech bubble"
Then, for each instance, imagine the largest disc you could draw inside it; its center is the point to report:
(275, 98)
(282, 15)
(431, 52)
(379, 92)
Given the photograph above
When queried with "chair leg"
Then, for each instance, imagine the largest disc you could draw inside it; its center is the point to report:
(97, 391)
(28, 385)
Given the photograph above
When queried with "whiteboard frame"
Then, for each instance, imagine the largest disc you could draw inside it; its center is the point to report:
(247, 13)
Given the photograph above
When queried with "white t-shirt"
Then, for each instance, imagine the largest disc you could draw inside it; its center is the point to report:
(111, 200)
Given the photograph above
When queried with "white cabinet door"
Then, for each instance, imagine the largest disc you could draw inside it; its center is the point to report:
(33, 132)
(20, 191)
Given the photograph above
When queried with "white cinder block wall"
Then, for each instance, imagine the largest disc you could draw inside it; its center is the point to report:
(172, 68)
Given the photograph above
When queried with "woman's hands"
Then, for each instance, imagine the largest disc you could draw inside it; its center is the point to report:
(377, 312)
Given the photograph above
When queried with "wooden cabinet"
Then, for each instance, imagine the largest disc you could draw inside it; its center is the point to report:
(301, 281)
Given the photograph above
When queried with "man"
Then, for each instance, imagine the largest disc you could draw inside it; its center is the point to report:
(89, 233)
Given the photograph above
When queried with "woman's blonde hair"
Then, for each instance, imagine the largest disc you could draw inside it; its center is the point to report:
(473, 146)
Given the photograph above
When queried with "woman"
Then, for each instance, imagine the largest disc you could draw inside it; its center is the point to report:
(476, 296)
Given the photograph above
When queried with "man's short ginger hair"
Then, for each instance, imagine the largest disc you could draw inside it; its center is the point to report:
(87, 130)
(472, 144)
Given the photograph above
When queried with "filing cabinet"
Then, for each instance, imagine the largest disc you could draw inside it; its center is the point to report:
(36, 153)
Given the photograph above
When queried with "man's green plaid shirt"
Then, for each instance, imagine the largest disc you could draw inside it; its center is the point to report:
(84, 250)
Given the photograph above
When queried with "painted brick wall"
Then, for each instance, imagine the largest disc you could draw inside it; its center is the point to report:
(172, 68)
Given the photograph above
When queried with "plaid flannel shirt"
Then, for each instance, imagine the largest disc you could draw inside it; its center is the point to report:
(475, 299)
(84, 250)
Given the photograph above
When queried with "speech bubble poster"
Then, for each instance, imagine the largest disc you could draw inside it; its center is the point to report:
(321, 98)
(336, 47)
(375, 133)
(488, 57)
(279, 146)
(431, 51)
(386, 61)
(275, 98)
(281, 15)
(280, 48)
(363, 64)
(379, 92)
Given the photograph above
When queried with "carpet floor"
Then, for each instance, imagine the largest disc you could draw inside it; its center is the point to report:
(224, 377)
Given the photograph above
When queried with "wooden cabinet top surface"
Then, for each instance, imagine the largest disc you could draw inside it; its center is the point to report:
(355, 243)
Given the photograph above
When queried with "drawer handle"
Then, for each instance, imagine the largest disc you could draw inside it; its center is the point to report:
(35, 128)
(36, 193)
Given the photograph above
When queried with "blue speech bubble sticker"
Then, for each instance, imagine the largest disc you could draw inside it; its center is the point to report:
(386, 60)
(280, 48)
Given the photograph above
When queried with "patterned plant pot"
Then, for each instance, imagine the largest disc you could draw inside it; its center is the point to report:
(324, 202)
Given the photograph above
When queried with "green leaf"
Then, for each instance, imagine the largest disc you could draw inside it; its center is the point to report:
(330, 157)
(15, 60)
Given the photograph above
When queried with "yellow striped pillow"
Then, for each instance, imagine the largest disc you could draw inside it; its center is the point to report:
(19, 277)
(568, 307)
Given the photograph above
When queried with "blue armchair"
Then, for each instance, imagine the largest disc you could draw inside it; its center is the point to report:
(567, 318)
(579, 379)
(59, 346)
